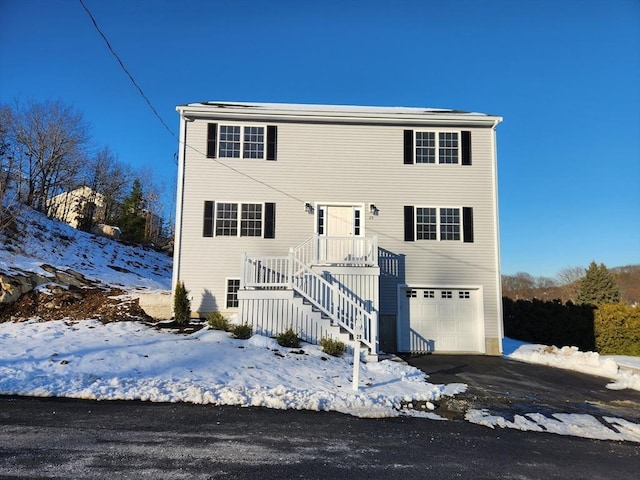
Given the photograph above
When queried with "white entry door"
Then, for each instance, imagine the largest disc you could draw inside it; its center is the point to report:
(340, 221)
(337, 226)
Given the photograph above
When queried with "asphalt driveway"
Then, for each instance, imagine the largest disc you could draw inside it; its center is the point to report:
(507, 387)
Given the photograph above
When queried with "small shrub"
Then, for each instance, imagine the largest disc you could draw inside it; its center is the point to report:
(332, 347)
(243, 332)
(217, 321)
(289, 339)
(181, 304)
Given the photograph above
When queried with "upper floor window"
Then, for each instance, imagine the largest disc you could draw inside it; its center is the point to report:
(242, 141)
(446, 147)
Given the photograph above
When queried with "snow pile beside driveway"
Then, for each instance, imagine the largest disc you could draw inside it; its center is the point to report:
(132, 361)
(586, 362)
(578, 425)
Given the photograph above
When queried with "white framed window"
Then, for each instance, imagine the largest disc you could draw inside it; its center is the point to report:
(238, 219)
(438, 223)
(426, 223)
(235, 219)
(449, 224)
(433, 223)
(230, 144)
(426, 147)
(432, 146)
(251, 220)
(233, 285)
(241, 141)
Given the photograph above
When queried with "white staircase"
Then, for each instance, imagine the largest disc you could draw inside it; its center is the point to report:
(278, 293)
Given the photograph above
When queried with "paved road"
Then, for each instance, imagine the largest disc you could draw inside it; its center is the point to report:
(64, 438)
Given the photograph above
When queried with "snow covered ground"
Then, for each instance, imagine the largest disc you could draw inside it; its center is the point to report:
(130, 360)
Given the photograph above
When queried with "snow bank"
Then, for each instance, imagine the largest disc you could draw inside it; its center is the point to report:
(578, 425)
(131, 361)
(573, 359)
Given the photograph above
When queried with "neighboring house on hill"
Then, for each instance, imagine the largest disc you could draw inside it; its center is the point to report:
(74, 206)
(328, 218)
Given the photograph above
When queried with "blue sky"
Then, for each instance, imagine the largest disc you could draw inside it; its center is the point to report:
(564, 74)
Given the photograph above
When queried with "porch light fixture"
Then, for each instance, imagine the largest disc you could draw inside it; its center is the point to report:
(308, 207)
(373, 209)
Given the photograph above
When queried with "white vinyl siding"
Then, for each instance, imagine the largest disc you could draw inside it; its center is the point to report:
(361, 164)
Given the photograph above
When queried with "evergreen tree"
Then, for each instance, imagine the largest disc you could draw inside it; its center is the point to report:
(132, 215)
(181, 304)
(598, 286)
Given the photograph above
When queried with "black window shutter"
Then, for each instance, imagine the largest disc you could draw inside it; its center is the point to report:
(408, 147)
(269, 220)
(212, 136)
(466, 148)
(272, 142)
(409, 235)
(467, 224)
(207, 228)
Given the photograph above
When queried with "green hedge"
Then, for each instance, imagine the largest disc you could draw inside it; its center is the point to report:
(549, 323)
(609, 329)
(617, 329)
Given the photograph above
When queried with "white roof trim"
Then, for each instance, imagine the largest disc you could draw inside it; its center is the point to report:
(334, 112)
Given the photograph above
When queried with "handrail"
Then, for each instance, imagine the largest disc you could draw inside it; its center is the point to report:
(291, 272)
(328, 298)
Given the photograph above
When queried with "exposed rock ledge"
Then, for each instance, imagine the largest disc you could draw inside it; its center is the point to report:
(14, 285)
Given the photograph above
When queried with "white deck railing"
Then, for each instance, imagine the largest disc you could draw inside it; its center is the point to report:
(355, 251)
(295, 272)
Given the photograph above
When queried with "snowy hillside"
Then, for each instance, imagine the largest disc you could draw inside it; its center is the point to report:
(36, 240)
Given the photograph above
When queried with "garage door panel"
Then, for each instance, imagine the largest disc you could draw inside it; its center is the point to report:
(446, 320)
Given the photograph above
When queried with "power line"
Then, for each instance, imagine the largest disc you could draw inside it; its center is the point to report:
(155, 112)
(95, 24)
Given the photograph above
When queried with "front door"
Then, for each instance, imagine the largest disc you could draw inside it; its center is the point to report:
(336, 225)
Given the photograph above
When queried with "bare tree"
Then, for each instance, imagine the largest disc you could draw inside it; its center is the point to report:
(153, 194)
(520, 285)
(106, 181)
(10, 172)
(569, 279)
(7, 158)
(51, 139)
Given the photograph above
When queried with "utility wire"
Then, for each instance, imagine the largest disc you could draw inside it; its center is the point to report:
(239, 172)
(155, 112)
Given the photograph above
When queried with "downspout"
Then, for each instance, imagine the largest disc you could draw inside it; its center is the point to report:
(177, 247)
(497, 235)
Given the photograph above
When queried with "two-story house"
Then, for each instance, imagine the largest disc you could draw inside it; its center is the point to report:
(379, 222)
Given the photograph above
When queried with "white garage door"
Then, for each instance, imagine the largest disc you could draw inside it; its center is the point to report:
(440, 320)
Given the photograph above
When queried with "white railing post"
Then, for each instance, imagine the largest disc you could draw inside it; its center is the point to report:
(373, 332)
(335, 292)
(374, 249)
(357, 336)
(243, 270)
(290, 268)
